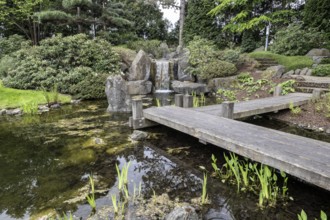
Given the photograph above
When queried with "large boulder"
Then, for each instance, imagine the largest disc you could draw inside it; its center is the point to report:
(277, 71)
(118, 97)
(182, 65)
(140, 69)
(223, 82)
(187, 87)
(318, 52)
(139, 87)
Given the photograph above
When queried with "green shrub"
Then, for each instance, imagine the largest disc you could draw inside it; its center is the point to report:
(148, 46)
(231, 56)
(290, 62)
(12, 44)
(323, 61)
(248, 42)
(321, 70)
(6, 63)
(295, 40)
(206, 62)
(217, 68)
(245, 78)
(66, 62)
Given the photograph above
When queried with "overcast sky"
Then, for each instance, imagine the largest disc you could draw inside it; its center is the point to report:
(171, 14)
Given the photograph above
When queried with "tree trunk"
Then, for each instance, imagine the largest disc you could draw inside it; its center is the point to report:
(182, 13)
(78, 16)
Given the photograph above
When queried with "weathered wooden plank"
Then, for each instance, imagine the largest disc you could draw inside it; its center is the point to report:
(302, 157)
(260, 106)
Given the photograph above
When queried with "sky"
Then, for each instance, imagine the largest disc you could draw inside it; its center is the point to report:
(171, 14)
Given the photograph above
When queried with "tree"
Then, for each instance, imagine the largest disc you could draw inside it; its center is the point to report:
(197, 22)
(316, 14)
(19, 13)
(241, 15)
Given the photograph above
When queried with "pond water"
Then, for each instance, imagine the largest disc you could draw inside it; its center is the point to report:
(45, 161)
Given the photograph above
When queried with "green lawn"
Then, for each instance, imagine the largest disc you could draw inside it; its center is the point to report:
(15, 98)
(290, 62)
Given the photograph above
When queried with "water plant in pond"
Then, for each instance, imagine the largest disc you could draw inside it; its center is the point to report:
(260, 179)
(122, 175)
(114, 204)
(91, 198)
(204, 198)
(52, 96)
(30, 108)
(158, 104)
(303, 215)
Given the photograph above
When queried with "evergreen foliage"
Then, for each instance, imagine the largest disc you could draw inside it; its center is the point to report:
(78, 65)
(295, 40)
(316, 14)
(248, 42)
(198, 22)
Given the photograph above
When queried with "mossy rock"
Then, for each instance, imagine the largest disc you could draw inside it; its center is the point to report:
(94, 143)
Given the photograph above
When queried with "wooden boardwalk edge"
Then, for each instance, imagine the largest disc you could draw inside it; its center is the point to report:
(300, 166)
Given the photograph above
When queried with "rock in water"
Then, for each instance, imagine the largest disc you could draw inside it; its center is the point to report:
(139, 135)
(118, 97)
(140, 69)
(182, 213)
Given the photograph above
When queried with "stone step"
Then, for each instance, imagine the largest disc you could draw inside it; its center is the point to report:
(323, 85)
(309, 89)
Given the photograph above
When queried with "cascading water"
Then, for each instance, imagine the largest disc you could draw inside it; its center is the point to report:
(162, 77)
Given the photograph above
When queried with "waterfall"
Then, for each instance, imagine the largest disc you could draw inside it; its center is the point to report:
(162, 77)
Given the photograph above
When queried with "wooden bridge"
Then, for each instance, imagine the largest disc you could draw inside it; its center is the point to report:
(302, 157)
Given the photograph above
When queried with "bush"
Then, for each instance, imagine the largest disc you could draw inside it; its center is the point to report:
(68, 62)
(217, 68)
(294, 40)
(321, 70)
(12, 44)
(323, 61)
(148, 46)
(231, 56)
(6, 63)
(207, 62)
(248, 42)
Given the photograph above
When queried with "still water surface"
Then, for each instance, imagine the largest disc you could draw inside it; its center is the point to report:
(45, 161)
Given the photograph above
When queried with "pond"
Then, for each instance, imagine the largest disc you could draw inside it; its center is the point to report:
(45, 162)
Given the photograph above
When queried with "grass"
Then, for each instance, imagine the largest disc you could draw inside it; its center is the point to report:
(15, 98)
(290, 62)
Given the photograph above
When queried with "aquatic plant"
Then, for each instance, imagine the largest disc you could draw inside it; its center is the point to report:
(303, 215)
(91, 198)
(30, 108)
(158, 104)
(204, 198)
(122, 175)
(52, 96)
(257, 178)
(114, 204)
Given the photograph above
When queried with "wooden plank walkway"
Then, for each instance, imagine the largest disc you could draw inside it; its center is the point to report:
(260, 106)
(302, 157)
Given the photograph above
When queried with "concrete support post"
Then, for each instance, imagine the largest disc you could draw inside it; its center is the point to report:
(187, 101)
(137, 109)
(227, 110)
(278, 90)
(178, 99)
